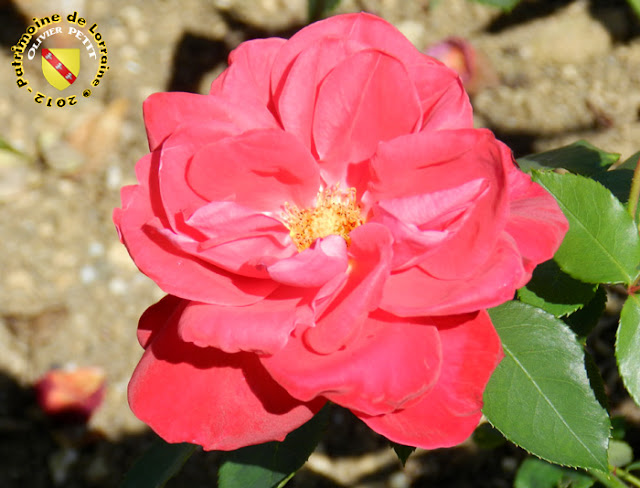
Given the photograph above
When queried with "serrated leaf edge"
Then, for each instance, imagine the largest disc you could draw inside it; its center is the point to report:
(624, 377)
(630, 278)
(531, 453)
(507, 351)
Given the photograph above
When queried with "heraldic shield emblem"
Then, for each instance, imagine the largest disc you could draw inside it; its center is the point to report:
(60, 66)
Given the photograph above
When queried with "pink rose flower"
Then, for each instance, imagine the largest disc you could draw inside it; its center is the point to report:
(328, 226)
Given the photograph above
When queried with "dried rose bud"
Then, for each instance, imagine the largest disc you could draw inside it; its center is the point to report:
(71, 395)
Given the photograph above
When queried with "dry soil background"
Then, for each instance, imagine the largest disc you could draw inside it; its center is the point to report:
(69, 294)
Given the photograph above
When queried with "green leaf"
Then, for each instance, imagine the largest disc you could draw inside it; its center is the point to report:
(628, 346)
(634, 466)
(403, 452)
(271, 464)
(630, 163)
(635, 5)
(502, 4)
(554, 291)
(602, 244)
(487, 436)
(158, 465)
(584, 320)
(618, 427)
(539, 396)
(535, 473)
(596, 382)
(579, 157)
(617, 182)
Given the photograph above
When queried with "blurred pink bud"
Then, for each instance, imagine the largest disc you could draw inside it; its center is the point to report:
(71, 395)
(459, 55)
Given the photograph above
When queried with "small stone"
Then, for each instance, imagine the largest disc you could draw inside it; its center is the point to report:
(96, 249)
(88, 274)
(113, 177)
(117, 286)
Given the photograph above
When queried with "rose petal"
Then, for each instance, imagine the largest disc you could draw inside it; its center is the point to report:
(259, 169)
(249, 67)
(416, 292)
(355, 111)
(165, 112)
(168, 184)
(535, 222)
(370, 253)
(156, 316)
(444, 101)
(366, 29)
(442, 96)
(421, 223)
(468, 162)
(170, 261)
(296, 95)
(173, 270)
(234, 238)
(263, 327)
(205, 396)
(176, 151)
(313, 267)
(355, 376)
(448, 413)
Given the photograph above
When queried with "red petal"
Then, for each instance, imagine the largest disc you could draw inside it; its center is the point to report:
(170, 267)
(447, 414)
(355, 109)
(366, 29)
(439, 89)
(233, 237)
(370, 253)
(444, 102)
(263, 327)
(313, 267)
(465, 166)
(535, 221)
(259, 169)
(156, 316)
(249, 71)
(295, 97)
(390, 363)
(165, 112)
(420, 224)
(207, 397)
(416, 292)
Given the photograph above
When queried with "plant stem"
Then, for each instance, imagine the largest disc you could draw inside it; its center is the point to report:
(634, 194)
(625, 475)
(609, 481)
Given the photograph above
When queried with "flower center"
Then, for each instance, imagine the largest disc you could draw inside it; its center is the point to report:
(335, 213)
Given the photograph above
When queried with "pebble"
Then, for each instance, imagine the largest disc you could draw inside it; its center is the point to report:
(118, 286)
(88, 274)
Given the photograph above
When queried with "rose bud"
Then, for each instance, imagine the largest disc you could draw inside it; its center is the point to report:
(71, 395)
(459, 55)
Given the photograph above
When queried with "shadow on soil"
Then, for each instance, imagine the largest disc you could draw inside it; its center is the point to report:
(37, 453)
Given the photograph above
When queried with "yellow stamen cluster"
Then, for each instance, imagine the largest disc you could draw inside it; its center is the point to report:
(335, 213)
